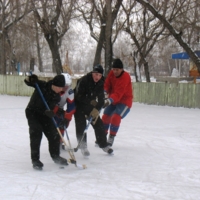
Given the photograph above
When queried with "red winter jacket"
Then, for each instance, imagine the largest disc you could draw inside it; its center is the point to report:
(119, 88)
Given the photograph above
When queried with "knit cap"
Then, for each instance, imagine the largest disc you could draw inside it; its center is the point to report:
(98, 69)
(117, 63)
(59, 81)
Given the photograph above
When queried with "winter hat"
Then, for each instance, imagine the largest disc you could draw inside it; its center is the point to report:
(59, 81)
(98, 69)
(68, 79)
(117, 63)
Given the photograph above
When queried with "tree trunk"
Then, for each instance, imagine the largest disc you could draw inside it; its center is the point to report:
(135, 72)
(32, 64)
(99, 48)
(2, 52)
(38, 48)
(146, 70)
(108, 40)
(136, 68)
(52, 40)
(2, 41)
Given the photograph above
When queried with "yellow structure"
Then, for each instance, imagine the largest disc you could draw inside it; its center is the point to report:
(193, 71)
(66, 69)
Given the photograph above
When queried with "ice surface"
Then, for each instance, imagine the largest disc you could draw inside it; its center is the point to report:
(156, 157)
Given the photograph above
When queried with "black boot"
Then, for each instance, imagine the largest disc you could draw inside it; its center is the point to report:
(108, 150)
(37, 164)
(96, 144)
(84, 149)
(60, 160)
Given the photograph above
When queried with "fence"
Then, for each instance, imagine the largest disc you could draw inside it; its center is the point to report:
(14, 85)
(171, 94)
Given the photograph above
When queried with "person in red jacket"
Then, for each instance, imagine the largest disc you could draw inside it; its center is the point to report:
(118, 88)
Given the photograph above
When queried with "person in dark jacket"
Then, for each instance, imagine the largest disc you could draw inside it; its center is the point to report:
(89, 99)
(40, 123)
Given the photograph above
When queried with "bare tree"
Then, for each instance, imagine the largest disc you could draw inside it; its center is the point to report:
(188, 22)
(53, 17)
(177, 35)
(147, 31)
(102, 14)
(11, 12)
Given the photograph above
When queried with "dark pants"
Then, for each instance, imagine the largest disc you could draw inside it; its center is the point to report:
(39, 124)
(81, 122)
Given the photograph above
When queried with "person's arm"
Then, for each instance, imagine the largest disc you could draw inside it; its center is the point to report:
(32, 80)
(120, 88)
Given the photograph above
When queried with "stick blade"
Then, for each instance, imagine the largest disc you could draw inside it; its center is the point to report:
(81, 166)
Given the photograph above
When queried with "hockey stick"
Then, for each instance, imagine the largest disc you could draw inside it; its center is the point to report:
(70, 146)
(84, 133)
(72, 160)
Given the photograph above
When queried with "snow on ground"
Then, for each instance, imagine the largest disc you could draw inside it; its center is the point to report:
(156, 157)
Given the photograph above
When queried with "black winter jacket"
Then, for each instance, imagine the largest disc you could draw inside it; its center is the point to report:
(87, 90)
(36, 104)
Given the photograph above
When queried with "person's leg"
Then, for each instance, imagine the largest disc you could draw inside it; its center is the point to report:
(120, 112)
(62, 145)
(101, 136)
(106, 118)
(35, 141)
(35, 134)
(53, 137)
(100, 133)
(80, 123)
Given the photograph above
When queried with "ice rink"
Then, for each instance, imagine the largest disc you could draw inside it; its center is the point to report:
(156, 157)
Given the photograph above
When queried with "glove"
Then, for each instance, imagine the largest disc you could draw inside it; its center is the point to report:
(64, 123)
(56, 111)
(51, 113)
(94, 113)
(93, 103)
(107, 102)
(60, 113)
(32, 79)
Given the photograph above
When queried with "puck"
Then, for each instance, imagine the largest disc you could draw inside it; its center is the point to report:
(61, 167)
